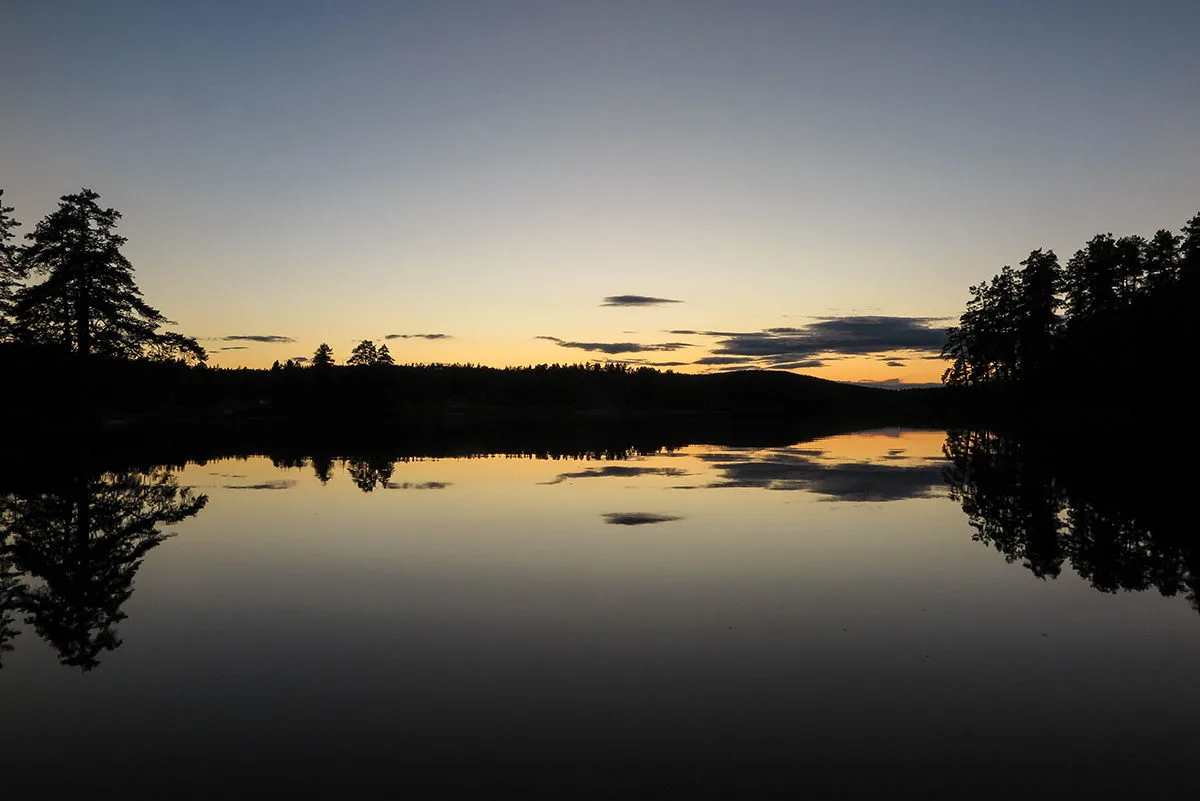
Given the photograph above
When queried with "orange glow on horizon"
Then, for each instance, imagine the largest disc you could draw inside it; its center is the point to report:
(501, 354)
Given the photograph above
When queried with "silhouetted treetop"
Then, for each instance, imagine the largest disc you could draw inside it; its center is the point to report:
(11, 270)
(363, 355)
(87, 302)
(1060, 329)
(323, 356)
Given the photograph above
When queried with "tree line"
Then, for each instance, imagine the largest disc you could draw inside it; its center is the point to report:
(70, 289)
(1117, 303)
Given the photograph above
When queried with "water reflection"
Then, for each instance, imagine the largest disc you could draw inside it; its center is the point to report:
(822, 606)
(1015, 497)
(845, 481)
(68, 556)
(619, 471)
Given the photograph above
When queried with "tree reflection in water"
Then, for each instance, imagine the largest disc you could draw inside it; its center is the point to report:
(68, 557)
(1016, 497)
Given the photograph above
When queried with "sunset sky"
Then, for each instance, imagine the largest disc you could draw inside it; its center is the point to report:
(700, 185)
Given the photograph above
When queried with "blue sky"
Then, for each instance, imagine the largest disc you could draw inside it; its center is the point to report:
(492, 171)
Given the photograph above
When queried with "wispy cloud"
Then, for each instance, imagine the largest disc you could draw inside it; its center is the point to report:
(256, 338)
(804, 364)
(418, 336)
(636, 300)
(233, 347)
(715, 360)
(646, 362)
(694, 332)
(613, 348)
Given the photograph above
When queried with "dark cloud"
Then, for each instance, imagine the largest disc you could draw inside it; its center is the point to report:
(636, 300)
(256, 338)
(637, 518)
(233, 347)
(801, 365)
(694, 332)
(645, 362)
(620, 471)
(613, 348)
(418, 336)
(893, 363)
(423, 485)
(711, 360)
(856, 335)
(266, 485)
(846, 481)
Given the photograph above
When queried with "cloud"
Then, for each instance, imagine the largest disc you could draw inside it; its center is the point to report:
(800, 365)
(631, 361)
(422, 485)
(834, 336)
(256, 338)
(620, 471)
(636, 300)
(893, 363)
(418, 336)
(846, 481)
(613, 348)
(711, 360)
(694, 332)
(233, 347)
(637, 518)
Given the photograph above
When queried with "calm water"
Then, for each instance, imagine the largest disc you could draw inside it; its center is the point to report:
(820, 616)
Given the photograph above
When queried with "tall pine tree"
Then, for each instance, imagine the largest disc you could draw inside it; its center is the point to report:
(88, 303)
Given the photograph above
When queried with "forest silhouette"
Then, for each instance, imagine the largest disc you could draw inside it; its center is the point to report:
(1040, 360)
(1040, 344)
(1106, 333)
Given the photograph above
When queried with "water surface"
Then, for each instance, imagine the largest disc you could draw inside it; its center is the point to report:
(817, 616)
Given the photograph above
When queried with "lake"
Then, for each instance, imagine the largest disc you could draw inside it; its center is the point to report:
(876, 612)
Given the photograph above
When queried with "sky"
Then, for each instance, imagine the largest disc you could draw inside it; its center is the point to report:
(696, 185)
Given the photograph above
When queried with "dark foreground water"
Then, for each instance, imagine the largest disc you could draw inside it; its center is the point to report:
(831, 616)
